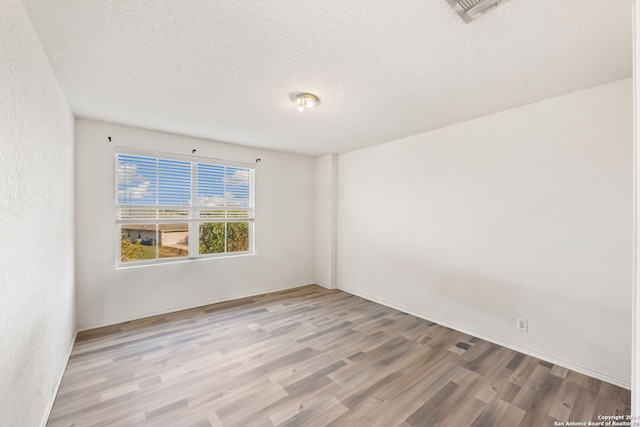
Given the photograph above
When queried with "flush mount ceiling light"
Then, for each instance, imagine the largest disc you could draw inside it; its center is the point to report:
(472, 9)
(305, 100)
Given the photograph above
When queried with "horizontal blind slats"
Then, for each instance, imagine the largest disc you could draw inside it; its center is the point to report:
(156, 188)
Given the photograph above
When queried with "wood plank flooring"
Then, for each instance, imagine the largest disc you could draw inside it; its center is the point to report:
(314, 357)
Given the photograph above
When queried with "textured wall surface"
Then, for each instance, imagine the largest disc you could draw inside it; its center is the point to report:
(635, 395)
(37, 320)
(284, 231)
(523, 213)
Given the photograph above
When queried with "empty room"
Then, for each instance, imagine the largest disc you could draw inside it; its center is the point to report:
(318, 213)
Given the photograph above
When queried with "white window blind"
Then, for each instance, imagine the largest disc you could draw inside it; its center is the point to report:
(224, 191)
(152, 188)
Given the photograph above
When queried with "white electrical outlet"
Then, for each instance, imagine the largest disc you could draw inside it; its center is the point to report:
(522, 324)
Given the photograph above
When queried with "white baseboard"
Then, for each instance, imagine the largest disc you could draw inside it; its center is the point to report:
(624, 383)
(47, 412)
(190, 306)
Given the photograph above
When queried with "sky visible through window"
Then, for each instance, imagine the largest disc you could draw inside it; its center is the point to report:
(153, 181)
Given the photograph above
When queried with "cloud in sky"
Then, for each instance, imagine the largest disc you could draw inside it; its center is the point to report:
(227, 200)
(238, 177)
(131, 184)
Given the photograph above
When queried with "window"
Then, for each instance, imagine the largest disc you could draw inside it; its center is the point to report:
(170, 208)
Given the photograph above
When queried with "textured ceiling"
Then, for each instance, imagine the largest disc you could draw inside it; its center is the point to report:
(383, 69)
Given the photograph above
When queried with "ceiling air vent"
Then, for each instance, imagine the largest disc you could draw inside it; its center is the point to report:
(472, 9)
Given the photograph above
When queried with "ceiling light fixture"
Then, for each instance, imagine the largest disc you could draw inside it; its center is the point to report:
(305, 100)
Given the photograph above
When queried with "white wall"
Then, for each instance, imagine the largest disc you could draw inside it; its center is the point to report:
(284, 234)
(523, 213)
(635, 380)
(326, 228)
(37, 308)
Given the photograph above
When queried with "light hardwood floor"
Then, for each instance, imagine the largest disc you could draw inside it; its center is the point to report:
(313, 357)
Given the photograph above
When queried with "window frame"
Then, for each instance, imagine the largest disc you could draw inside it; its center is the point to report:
(192, 213)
